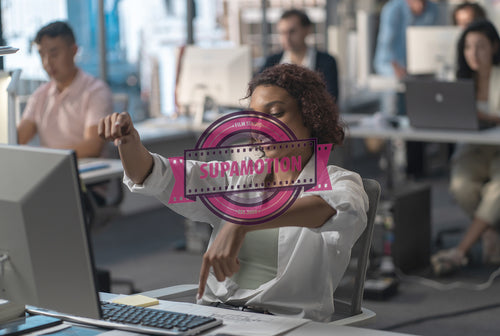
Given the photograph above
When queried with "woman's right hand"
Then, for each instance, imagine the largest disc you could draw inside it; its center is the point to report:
(136, 159)
(117, 127)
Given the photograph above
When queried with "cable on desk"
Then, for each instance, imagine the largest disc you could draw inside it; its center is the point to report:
(450, 286)
(443, 287)
(439, 316)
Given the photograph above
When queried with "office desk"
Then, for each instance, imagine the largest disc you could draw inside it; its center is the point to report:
(307, 327)
(361, 126)
(169, 137)
(113, 169)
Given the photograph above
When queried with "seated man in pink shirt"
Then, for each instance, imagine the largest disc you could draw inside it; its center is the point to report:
(65, 111)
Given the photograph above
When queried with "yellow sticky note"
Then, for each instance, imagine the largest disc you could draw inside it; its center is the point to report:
(136, 300)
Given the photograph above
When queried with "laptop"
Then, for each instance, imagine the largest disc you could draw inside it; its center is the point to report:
(433, 104)
(50, 267)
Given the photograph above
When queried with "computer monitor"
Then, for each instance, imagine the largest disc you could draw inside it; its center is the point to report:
(8, 116)
(43, 233)
(221, 74)
(432, 50)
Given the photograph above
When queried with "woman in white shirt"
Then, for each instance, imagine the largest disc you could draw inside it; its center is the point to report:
(475, 171)
(290, 264)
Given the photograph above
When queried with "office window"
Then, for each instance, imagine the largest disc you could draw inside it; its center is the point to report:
(142, 38)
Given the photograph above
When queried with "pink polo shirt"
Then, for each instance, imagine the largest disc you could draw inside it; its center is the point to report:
(62, 117)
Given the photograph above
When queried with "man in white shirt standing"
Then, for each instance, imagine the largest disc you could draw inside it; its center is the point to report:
(65, 111)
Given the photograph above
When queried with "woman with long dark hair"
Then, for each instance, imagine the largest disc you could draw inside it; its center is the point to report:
(475, 170)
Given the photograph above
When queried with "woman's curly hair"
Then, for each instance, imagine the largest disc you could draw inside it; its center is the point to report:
(317, 106)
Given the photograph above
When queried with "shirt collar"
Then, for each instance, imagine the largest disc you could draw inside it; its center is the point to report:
(309, 60)
(72, 87)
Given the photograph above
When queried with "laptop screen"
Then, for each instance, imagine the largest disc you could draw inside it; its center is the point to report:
(444, 105)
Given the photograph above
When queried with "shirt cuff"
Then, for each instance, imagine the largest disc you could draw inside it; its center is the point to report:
(156, 182)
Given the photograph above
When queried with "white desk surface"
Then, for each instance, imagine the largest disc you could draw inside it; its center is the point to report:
(359, 126)
(161, 129)
(363, 126)
(307, 327)
(113, 169)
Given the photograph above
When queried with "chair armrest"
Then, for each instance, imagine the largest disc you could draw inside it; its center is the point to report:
(360, 319)
(173, 292)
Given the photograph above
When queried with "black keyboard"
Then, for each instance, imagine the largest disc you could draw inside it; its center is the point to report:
(164, 322)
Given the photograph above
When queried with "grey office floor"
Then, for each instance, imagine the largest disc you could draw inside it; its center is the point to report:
(142, 249)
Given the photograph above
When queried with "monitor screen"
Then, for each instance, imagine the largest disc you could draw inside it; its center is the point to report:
(43, 234)
(8, 116)
(219, 73)
(431, 49)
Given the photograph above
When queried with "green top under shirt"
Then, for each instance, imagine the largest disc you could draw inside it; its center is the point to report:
(258, 259)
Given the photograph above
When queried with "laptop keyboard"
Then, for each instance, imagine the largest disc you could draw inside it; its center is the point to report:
(165, 322)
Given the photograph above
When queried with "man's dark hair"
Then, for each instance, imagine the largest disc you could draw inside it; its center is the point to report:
(55, 29)
(478, 11)
(304, 19)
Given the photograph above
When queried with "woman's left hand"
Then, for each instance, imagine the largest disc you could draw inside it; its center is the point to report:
(222, 255)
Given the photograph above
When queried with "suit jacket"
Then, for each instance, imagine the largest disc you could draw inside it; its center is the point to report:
(325, 64)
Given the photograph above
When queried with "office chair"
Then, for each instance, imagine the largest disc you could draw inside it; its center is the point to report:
(349, 293)
(104, 207)
(100, 210)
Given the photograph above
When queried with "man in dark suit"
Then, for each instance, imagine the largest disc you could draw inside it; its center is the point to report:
(293, 28)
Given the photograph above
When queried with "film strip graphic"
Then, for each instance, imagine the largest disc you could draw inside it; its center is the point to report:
(246, 166)
(233, 168)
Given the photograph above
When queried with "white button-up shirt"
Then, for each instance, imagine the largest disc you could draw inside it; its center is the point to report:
(309, 60)
(311, 262)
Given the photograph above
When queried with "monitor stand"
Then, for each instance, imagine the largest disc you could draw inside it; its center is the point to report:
(198, 111)
(9, 310)
(13, 118)
(198, 107)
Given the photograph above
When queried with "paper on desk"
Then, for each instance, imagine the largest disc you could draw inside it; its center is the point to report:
(86, 166)
(237, 322)
(136, 300)
(10, 310)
